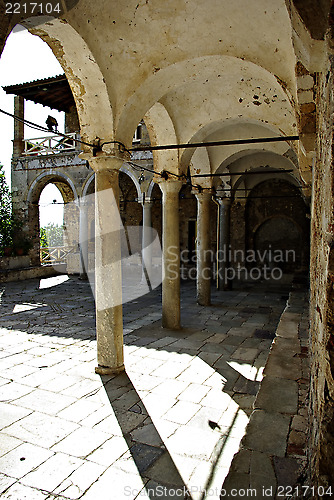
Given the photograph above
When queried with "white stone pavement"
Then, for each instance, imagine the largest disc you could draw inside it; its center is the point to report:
(172, 422)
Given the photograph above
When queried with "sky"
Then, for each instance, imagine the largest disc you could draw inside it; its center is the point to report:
(26, 58)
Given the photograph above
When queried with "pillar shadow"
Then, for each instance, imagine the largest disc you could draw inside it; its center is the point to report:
(219, 448)
(153, 462)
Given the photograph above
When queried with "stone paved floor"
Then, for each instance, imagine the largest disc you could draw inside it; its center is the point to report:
(272, 457)
(173, 421)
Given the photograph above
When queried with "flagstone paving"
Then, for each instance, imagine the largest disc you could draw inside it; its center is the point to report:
(174, 420)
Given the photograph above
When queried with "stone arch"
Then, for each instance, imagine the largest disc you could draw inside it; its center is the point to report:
(150, 189)
(128, 210)
(276, 216)
(167, 84)
(129, 60)
(83, 74)
(87, 186)
(161, 131)
(54, 177)
(125, 170)
(262, 161)
(231, 129)
(71, 216)
(200, 164)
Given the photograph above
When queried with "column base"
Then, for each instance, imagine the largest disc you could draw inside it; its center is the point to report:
(107, 370)
(204, 303)
(225, 287)
(171, 326)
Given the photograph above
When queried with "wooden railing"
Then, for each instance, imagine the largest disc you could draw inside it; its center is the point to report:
(50, 145)
(55, 255)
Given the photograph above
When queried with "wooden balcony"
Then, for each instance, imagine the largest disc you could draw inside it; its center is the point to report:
(51, 145)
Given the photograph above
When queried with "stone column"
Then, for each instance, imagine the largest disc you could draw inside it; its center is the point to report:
(83, 239)
(171, 315)
(146, 238)
(18, 143)
(203, 248)
(223, 242)
(108, 274)
(238, 232)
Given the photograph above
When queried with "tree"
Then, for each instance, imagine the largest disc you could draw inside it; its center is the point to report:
(9, 225)
(51, 235)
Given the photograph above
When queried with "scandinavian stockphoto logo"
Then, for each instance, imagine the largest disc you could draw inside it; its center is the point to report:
(113, 250)
(36, 12)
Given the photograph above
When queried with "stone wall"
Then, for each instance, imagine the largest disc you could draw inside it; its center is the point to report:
(322, 303)
(157, 210)
(29, 177)
(130, 209)
(276, 218)
(72, 120)
(18, 262)
(238, 228)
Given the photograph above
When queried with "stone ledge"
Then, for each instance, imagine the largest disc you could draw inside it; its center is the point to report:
(267, 432)
(277, 395)
(27, 273)
(276, 434)
(16, 262)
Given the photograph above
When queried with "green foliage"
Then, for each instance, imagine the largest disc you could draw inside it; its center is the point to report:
(43, 241)
(51, 235)
(9, 225)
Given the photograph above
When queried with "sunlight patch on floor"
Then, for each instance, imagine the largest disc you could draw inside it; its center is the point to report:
(54, 281)
(26, 307)
(248, 371)
(201, 430)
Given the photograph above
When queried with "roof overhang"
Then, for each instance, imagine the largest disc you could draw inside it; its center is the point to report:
(53, 92)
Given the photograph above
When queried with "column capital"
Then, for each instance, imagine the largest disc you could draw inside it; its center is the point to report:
(202, 195)
(112, 159)
(83, 201)
(145, 201)
(169, 186)
(224, 201)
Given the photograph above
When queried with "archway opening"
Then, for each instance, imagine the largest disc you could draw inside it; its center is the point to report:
(278, 243)
(277, 227)
(51, 217)
(51, 207)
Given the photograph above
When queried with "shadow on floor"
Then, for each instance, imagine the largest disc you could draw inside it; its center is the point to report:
(154, 463)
